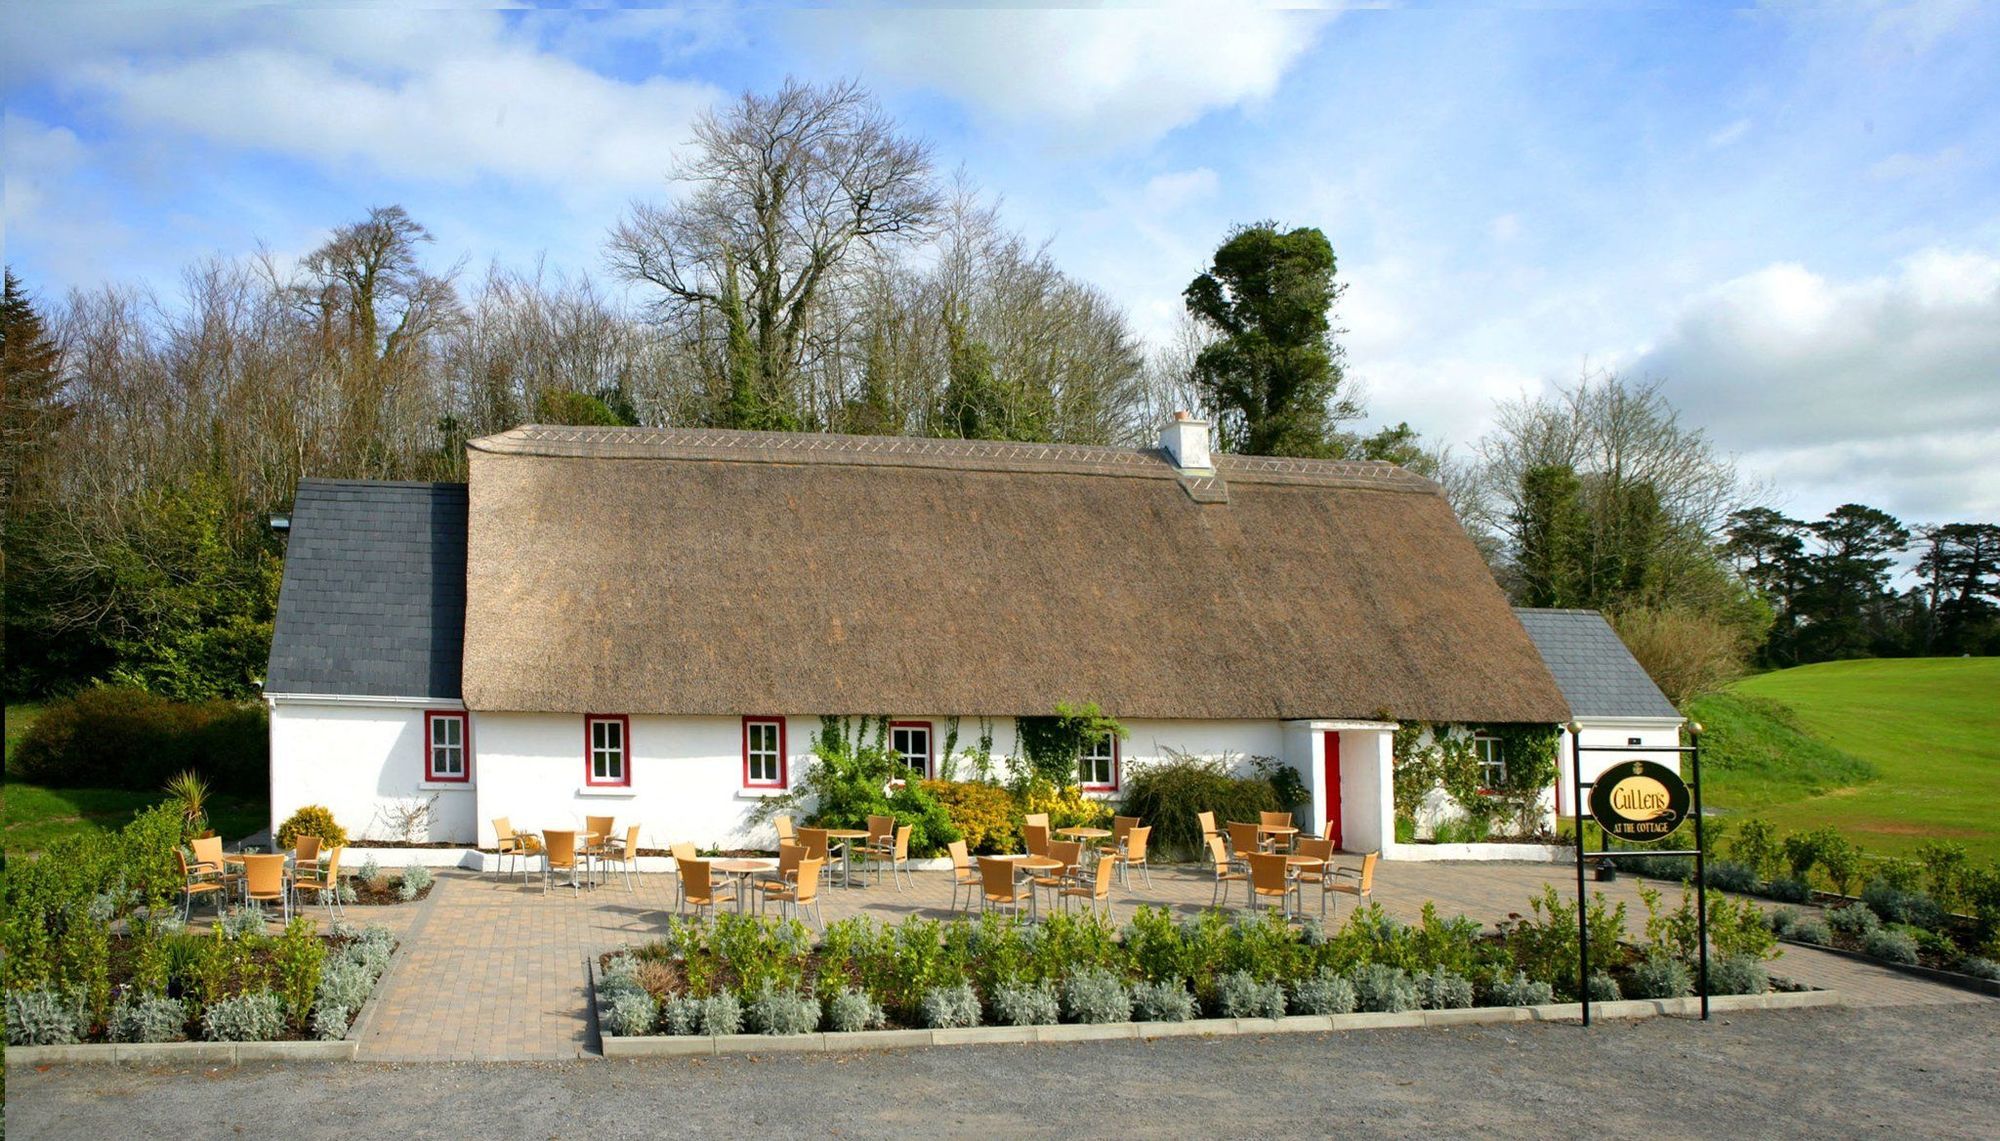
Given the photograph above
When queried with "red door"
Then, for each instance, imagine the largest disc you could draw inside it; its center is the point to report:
(1333, 787)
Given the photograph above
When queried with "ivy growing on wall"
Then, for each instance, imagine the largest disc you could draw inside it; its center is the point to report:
(1052, 744)
(1446, 756)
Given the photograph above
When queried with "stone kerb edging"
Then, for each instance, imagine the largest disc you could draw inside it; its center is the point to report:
(653, 1046)
(1972, 983)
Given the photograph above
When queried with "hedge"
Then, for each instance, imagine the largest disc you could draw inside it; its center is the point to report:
(119, 737)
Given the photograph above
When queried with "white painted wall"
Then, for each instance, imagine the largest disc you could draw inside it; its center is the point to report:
(360, 760)
(1598, 731)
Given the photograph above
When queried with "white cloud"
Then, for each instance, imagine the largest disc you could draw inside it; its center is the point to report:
(1883, 386)
(1102, 78)
(1505, 228)
(1729, 134)
(1903, 165)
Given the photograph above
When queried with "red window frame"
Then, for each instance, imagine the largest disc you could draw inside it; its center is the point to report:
(1116, 762)
(784, 762)
(930, 745)
(624, 755)
(431, 775)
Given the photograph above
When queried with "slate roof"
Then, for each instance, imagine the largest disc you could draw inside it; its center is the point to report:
(1598, 675)
(373, 600)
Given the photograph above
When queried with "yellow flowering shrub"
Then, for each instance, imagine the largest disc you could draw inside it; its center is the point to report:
(1067, 807)
(985, 814)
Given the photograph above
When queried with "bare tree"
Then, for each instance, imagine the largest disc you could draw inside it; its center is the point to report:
(785, 187)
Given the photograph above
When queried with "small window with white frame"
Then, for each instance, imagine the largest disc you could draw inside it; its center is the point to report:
(1492, 761)
(910, 741)
(608, 746)
(763, 752)
(445, 750)
(1097, 766)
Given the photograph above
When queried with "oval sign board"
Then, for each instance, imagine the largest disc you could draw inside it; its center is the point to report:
(1639, 801)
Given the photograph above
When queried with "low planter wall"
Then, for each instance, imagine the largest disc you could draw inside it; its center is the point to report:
(1472, 853)
(653, 1046)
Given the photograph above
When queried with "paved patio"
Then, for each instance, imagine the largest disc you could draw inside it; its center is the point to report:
(494, 970)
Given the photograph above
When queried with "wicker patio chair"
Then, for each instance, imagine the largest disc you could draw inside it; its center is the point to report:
(597, 840)
(198, 882)
(1207, 822)
(1320, 848)
(997, 887)
(1225, 870)
(896, 855)
(1357, 882)
(1244, 843)
(1121, 827)
(264, 882)
(1271, 878)
(623, 851)
(786, 873)
(697, 888)
(1070, 852)
(1038, 819)
(208, 857)
(507, 844)
(1094, 889)
(324, 883)
(1277, 820)
(1133, 855)
(559, 854)
(1035, 837)
(305, 854)
(786, 833)
(804, 893)
(963, 876)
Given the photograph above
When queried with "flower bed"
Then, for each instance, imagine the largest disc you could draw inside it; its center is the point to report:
(370, 886)
(745, 975)
(1854, 928)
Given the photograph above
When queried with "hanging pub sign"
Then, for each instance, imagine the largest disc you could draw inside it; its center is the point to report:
(1639, 801)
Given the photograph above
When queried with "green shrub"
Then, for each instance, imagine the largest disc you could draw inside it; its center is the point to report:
(950, 1007)
(1381, 987)
(1168, 793)
(1443, 990)
(329, 1023)
(1520, 990)
(1325, 991)
(1755, 845)
(1658, 976)
(1896, 905)
(1945, 867)
(1026, 1004)
(984, 814)
(1825, 849)
(930, 823)
(1890, 945)
(1813, 931)
(681, 1014)
(1786, 889)
(415, 879)
(258, 1016)
(632, 1013)
(1738, 974)
(721, 1014)
(121, 737)
(1095, 995)
(1727, 875)
(1238, 994)
(782, 1012)
(147, 1018)
(849, 1010)
(1979, 968)
(1167, 1001)
(312, 820)
(1604, 988)
(1855, 920)
(42, 1017)
(1544, 943)
(297, 957)
(1738, 927)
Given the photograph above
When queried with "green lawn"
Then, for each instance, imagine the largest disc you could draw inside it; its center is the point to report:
(33, 817)
(1892, 752)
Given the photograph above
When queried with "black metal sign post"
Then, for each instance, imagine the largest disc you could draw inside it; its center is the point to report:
(1644, 803)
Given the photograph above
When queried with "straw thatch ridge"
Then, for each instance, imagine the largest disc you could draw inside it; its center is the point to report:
(704, 572)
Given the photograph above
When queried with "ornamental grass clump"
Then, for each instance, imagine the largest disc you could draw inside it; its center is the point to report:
(1381, 988)
(1164, 1001)
(147, 1018)
(849, 1011)
(950, 1007)
(1095, 995)
(776, 1011)
(1658, 976)
(1520, 990)
(41, 1017)
(1738, 974)
(1026, 1004)
(1238, 995)
(1323, 992)
(630, 1014)
(1890, 945)
(1444, 990)
(258, 1016)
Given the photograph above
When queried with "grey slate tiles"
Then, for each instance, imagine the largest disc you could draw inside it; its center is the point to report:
(373, 601)
(1598, 675)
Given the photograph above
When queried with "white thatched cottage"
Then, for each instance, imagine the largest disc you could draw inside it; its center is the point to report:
(650, 623)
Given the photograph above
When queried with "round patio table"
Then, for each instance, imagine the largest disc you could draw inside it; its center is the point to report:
(741, 871)
(847, 850)
(1283, 832)
(1086, 835)
(1032, 864)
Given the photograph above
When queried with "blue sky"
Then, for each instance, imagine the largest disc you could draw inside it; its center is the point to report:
(1793, 217)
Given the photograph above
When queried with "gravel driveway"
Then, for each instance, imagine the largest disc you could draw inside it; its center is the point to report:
(1890, 1071)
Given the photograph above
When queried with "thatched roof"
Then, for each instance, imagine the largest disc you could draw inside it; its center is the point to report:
(710, 572)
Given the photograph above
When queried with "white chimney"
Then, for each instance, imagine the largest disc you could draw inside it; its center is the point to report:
(1185, 440)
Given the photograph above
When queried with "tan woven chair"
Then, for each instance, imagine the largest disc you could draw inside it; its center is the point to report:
(305, 854)
(1121, 827)
(1243, 843)
(1133, 855)
(1094, 889)
(786, 833)
(507, 844)
(805, 893)
(197, 882)
(597, 840)
(814, 841)
(1037, 819)
(1320, 848)
(881, 834)
(1357, 882)
(896, 855)
(963, 876)
(1225, 870)
(1207, 822)
(697, 887)
(208, 858)
(559, 854)
(1271, 878)
(623, 851)
(1327, 830)
(1070, 852)
(264, 882)
(1035, 837)
(325, 887)
(786, 873)
(997, 887)
(682, 851)
(1277, 820)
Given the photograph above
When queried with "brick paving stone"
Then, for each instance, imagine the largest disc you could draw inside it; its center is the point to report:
(495, 969)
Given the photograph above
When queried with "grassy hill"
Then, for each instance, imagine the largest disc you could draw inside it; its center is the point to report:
(1893, 751)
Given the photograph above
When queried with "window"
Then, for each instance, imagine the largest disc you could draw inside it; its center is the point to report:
(1492, 765)
(763, 752)
(445, 755)
(1097, 768)
(607, 740)
(910, 741)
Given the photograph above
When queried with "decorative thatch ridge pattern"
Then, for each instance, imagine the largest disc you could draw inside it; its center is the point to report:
(684, 571)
